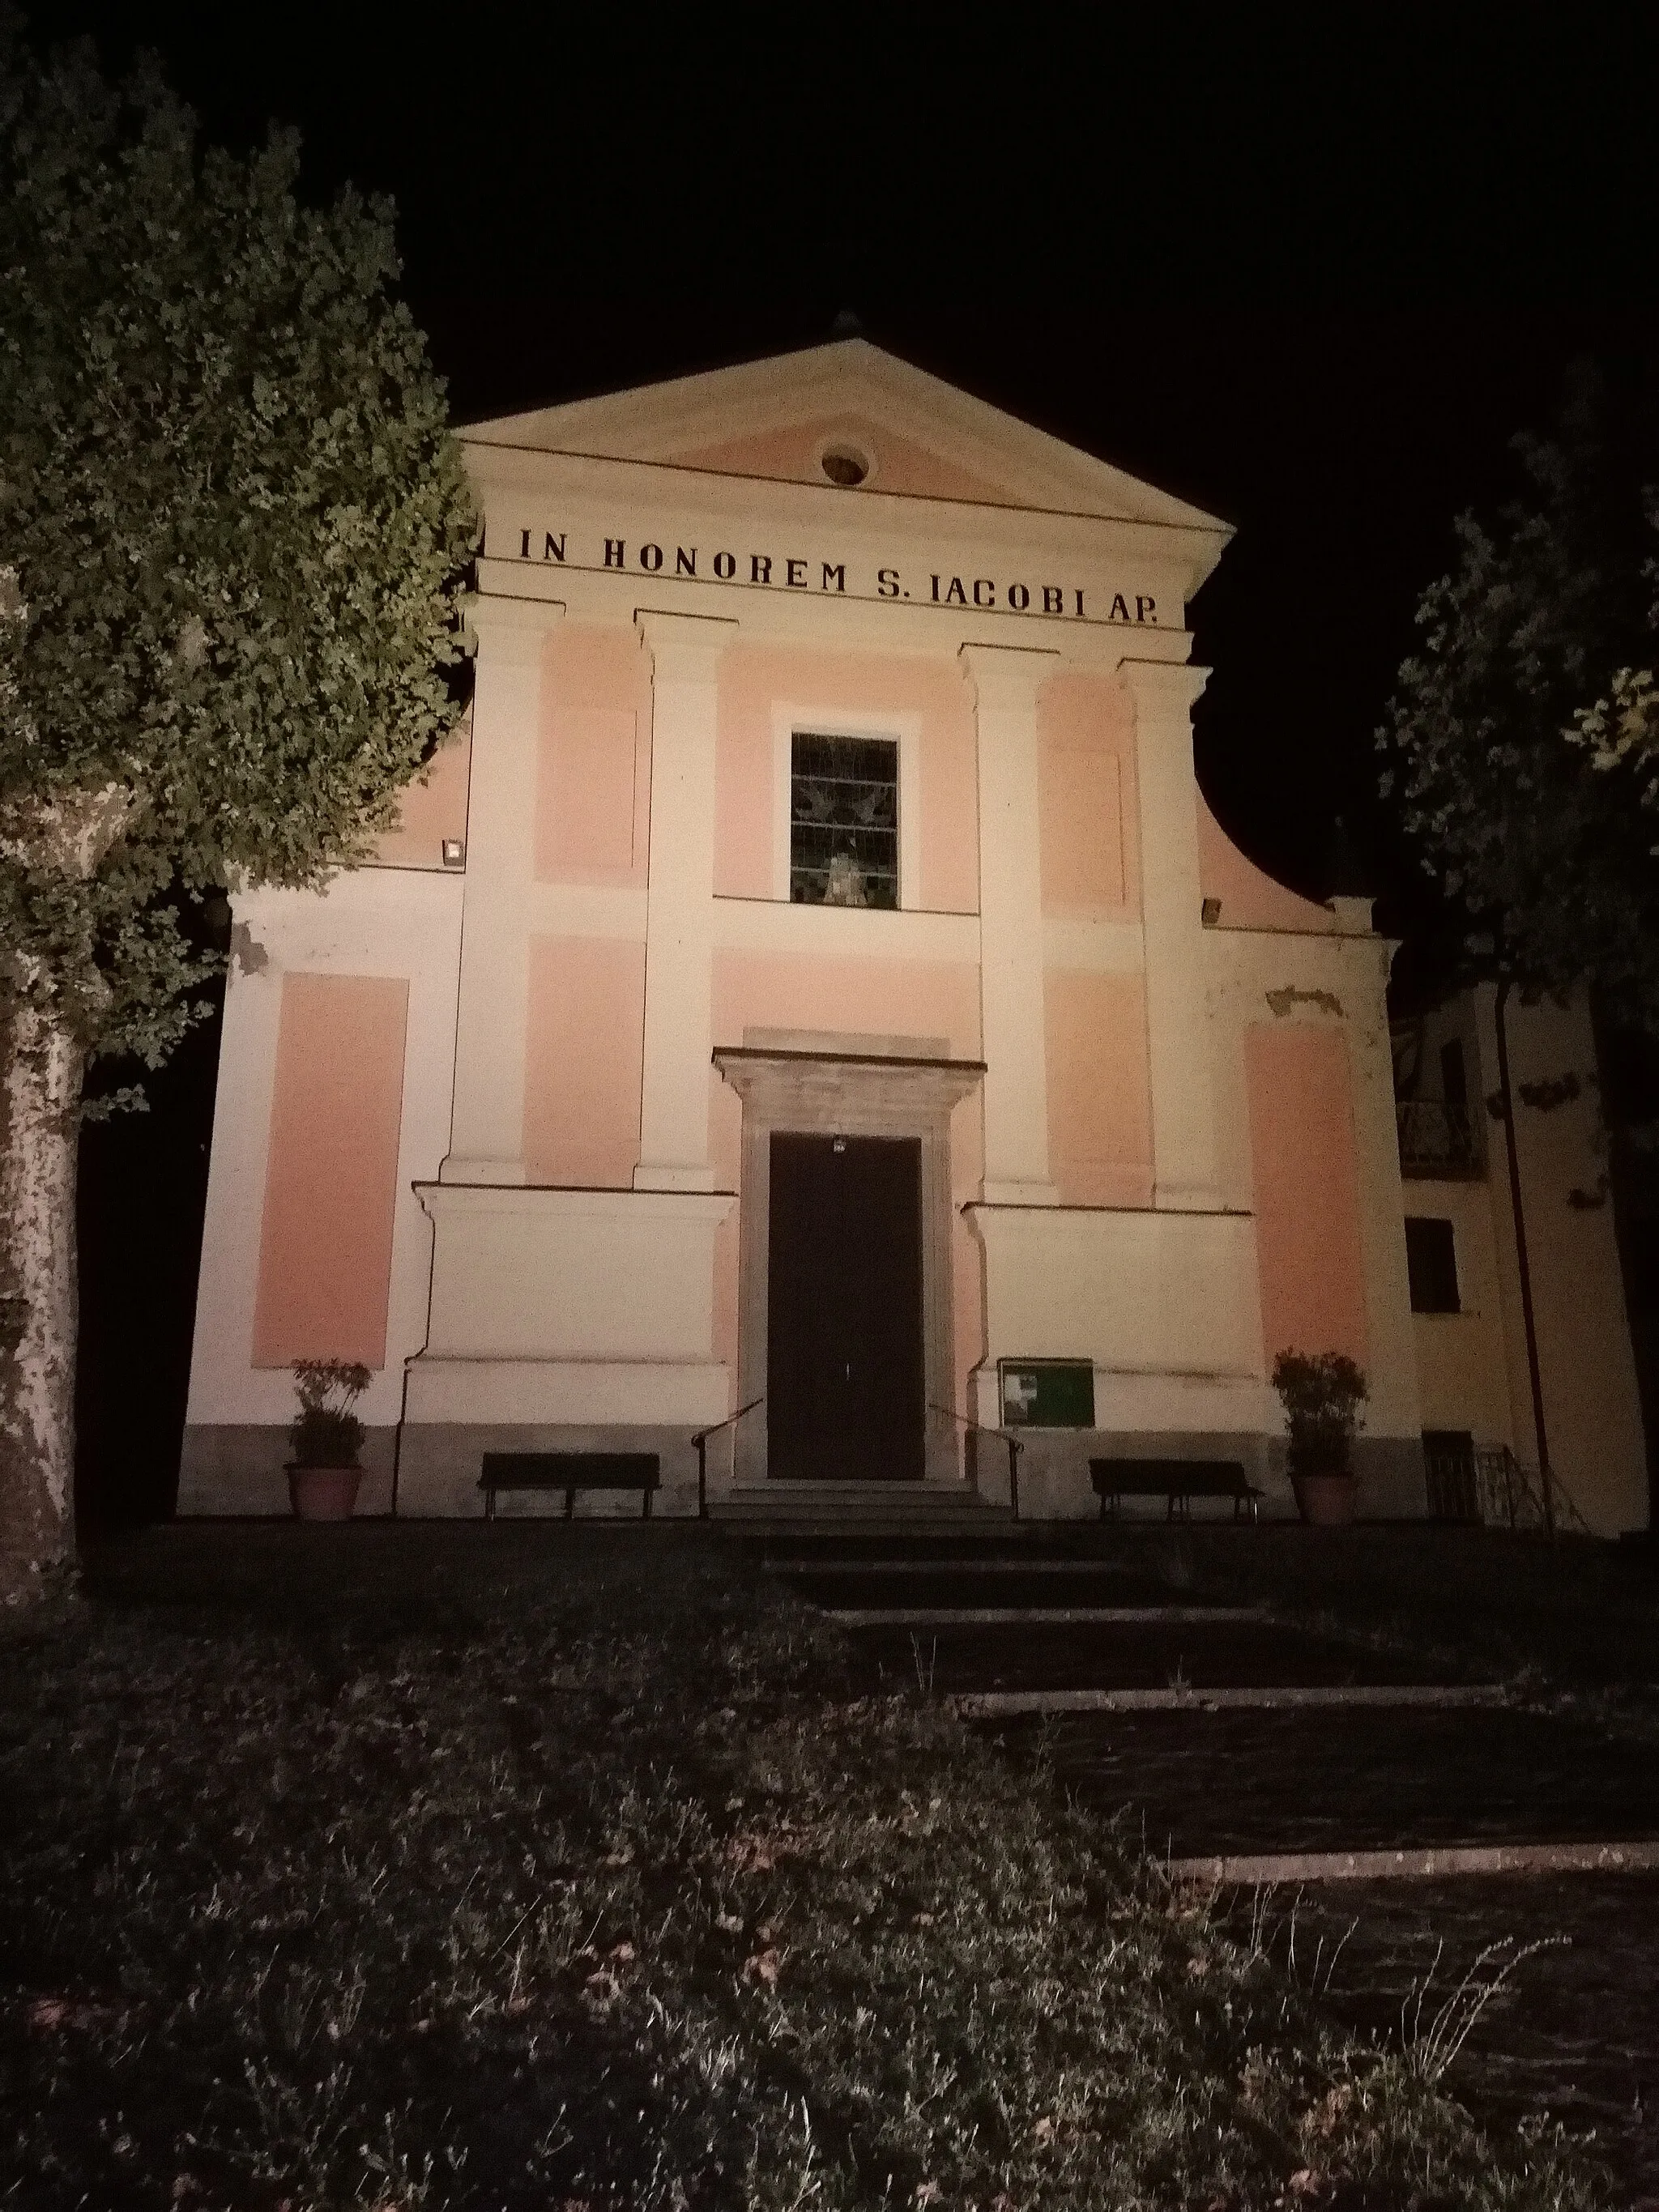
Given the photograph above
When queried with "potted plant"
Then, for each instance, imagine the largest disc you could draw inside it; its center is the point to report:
(325, 1439)
(1322, 1393)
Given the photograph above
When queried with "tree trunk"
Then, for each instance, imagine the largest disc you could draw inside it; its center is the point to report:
(40, 1071)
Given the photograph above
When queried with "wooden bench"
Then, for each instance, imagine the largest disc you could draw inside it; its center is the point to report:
(569, 1472)
(1180, 1481)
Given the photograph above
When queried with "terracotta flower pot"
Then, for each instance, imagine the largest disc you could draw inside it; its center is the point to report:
(324, 1493)
(1324, 1501)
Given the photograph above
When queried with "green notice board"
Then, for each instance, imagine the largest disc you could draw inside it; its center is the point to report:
(1047, 1394)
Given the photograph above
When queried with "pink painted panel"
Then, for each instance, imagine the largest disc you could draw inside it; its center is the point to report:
(901, 464)
(1100, 1135)
(593, 779)
(591, 795)
(432, 810)
(1085, 738)
(1305, 1166)
(847, 997)
(752, 678)
(331, 1178)
(744, 771)
(584, 1049)
(1250, 899)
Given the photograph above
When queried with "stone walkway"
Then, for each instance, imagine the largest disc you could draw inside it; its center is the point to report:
(1573, 2033)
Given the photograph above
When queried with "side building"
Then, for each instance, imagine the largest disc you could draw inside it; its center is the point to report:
(814, 983)
(1488, 1384)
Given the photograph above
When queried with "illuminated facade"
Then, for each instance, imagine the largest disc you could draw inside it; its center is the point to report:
(814, 979)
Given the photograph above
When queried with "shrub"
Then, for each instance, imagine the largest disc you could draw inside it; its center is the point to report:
(327, 1433)
(1322, 1393)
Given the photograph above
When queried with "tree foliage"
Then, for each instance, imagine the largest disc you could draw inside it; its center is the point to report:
(1621, 732)
(233, 532)
(1499, 752)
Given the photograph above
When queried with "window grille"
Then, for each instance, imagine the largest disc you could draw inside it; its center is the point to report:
(843, 821)
(1437, 1141)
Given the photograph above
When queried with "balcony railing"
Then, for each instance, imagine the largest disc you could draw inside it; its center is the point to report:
(1437, 1139)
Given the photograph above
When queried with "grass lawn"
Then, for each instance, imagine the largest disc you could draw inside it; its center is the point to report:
(534, 1867)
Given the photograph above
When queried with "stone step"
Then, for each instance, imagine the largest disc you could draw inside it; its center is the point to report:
(829, 1507)
(1219, 1778)
(1037, 1663)
(812, 1564)
(756, 1524)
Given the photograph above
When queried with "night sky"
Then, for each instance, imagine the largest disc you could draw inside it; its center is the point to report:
(1312, 283)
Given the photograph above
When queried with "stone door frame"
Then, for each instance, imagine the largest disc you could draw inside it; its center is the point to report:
(833, 1093)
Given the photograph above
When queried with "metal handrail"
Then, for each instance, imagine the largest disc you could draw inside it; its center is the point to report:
(701, 1441)
(1507, 1489)
(1015, 1447)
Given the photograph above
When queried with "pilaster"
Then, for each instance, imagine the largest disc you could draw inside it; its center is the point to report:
(487, 1129)
(1184, 1162)
(1006, 681)
(685, 652)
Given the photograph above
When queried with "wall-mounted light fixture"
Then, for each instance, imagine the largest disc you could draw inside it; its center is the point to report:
(454, 853)
(1211, 912)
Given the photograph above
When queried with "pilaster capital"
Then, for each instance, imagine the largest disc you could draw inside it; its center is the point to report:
(512, 632)
(1007, 675)
(1161, 688)
(684, 649)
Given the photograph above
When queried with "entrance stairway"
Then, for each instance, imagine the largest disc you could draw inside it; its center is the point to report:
(834, 1509)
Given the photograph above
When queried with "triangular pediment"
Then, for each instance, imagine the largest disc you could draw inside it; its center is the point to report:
(775, 420)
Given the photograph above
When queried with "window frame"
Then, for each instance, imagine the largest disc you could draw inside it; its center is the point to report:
(790, 717)
(1419, 1273)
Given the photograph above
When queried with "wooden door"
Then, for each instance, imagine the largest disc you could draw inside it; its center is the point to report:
(844, 1344)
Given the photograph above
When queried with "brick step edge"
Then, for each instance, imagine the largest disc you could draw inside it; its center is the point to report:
(997, 1704)
(1263, 1868)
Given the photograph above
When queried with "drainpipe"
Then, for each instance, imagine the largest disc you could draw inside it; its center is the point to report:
(1523, 1267)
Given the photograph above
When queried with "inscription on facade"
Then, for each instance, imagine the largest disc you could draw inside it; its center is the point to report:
(795, 571)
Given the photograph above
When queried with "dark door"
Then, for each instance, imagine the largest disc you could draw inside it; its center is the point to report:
(844, 1370)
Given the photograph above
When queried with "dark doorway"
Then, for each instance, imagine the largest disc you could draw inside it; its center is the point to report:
(844, 1356)
(1454, 1481)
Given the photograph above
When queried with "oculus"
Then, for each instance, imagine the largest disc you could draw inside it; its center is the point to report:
(844, 465)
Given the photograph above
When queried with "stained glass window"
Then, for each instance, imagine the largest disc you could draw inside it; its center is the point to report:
(843, 821)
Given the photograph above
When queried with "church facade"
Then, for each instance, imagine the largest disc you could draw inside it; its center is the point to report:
(813, 988)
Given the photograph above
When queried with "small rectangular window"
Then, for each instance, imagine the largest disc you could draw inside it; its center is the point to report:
(1453, 1075)
(1431, 1265)
(843, 821)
